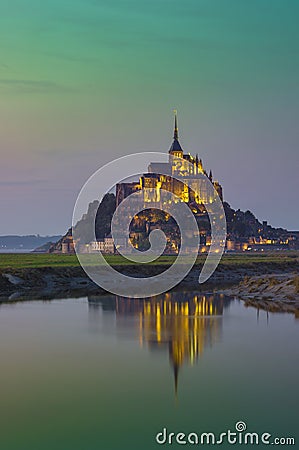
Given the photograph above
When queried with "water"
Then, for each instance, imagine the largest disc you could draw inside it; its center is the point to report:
(110, 373)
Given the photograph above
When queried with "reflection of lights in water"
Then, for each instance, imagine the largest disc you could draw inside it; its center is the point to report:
(185, 323)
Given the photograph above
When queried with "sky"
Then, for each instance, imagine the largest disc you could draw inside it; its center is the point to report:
(85, 81)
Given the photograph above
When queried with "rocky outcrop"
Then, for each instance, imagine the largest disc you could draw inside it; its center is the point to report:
(274, 292)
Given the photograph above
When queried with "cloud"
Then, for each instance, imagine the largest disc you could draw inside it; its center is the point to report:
(73, 58)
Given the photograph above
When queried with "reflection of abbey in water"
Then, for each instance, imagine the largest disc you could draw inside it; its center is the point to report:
(160, 176)
(183, 323)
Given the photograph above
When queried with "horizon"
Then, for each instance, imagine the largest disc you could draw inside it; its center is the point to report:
(109, 90)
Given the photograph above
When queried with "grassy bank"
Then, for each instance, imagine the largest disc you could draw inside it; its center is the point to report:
(35, 260)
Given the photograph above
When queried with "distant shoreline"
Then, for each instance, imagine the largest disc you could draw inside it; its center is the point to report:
(16, 250)
(12, 243)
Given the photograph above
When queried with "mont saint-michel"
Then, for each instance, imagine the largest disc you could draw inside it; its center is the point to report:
(263, 259)
(245, 232)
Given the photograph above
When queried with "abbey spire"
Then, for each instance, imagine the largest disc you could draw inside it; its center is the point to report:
(176, 149)
(176, 130)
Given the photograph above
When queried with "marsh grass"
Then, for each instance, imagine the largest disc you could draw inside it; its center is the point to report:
(233, 262)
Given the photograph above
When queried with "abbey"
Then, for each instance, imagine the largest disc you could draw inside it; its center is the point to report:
(184, 176)
(164, 176)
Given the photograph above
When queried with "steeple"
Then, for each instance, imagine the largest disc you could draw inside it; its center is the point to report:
(176, 130)
(176, 149)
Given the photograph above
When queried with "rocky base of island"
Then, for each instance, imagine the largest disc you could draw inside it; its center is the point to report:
(273, 292)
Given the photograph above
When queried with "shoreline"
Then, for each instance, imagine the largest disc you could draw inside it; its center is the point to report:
(247, 278)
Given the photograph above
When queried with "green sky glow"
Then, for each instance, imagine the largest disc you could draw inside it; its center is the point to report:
(84, 81)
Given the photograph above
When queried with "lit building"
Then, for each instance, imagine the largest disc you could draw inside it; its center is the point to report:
(161, 176)
(67, 245)
(105, 245)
